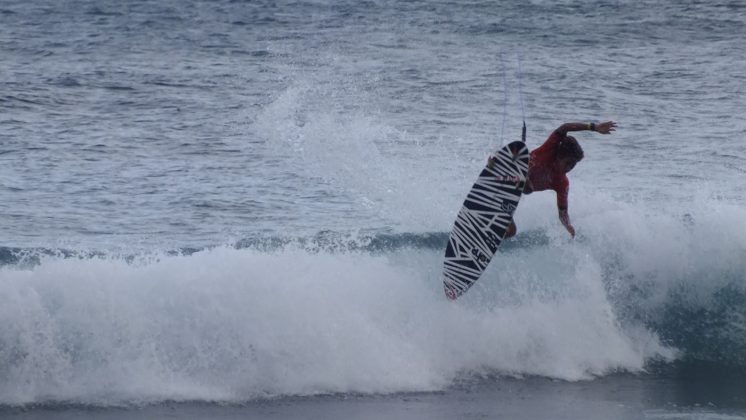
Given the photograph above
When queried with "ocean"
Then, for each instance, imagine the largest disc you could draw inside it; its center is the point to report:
(227, 209)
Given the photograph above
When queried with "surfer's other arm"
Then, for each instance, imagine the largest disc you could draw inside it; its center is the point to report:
(603, 128)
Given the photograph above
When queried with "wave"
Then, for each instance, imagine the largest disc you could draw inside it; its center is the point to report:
(230, 324)
(365, 312)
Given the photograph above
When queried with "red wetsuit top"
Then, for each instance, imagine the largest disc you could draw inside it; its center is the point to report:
(544, 174)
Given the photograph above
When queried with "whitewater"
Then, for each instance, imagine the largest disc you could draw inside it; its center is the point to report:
(347, 314)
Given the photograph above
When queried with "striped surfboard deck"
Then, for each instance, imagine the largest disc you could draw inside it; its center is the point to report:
(482, 222)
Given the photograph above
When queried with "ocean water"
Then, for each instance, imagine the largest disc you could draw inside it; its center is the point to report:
(228, 209)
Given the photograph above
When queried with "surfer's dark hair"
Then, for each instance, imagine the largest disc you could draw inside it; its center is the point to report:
(569, 147)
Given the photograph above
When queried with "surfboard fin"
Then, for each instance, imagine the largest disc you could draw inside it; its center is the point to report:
(523, 132)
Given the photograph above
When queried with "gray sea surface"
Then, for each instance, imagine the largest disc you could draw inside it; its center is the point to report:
(238, 209)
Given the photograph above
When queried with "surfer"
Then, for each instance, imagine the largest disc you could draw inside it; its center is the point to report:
(549, 164)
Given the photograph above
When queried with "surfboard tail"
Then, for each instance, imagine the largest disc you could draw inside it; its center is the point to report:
(450, 292)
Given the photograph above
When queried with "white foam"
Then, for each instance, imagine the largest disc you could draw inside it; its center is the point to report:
(232, 325)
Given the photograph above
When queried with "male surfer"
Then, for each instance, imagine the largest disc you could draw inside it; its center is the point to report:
(549, 164)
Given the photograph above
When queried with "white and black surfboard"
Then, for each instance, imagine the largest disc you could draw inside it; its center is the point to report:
(482, 222)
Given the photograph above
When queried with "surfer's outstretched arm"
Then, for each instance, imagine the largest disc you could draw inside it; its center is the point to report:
(603, 128)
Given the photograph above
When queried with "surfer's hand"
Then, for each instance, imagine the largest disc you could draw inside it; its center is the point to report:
(605, 127)
(565, 219)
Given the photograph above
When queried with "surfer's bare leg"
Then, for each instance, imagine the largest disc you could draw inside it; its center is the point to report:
(510, 231)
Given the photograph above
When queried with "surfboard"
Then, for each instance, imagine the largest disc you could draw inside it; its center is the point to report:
(484, 218)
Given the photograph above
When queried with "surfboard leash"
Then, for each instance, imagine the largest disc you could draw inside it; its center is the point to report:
(520, 95)
(505, 100)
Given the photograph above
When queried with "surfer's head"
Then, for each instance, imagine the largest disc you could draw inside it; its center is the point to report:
(569, 153)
